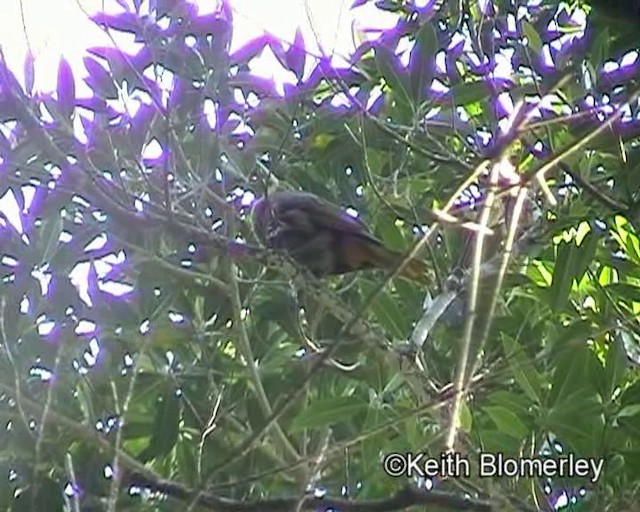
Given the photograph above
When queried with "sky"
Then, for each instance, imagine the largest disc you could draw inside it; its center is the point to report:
(55, 28)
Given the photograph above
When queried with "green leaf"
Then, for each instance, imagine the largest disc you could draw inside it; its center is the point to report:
(578, 419)
(513, 401)
(571, 373)
(46, 495)
(469, 92)
(625, 290)
(466, 418)
(388, 313)
(535, 42)
(564, 272)
(328, 411)
(614, 367)
(586, 252)
(507, 421)
(629, 411)
(523, 371)
(392, 72)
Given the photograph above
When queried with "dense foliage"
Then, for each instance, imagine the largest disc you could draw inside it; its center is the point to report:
(152, 352)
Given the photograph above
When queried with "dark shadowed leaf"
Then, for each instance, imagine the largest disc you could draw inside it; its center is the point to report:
(166, 426)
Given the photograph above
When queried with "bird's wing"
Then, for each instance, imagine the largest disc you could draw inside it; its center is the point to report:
(302, 210)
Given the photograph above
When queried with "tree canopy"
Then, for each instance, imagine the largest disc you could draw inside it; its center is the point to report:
(155, 355)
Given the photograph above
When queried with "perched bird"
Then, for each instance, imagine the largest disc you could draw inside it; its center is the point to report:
(323, 238)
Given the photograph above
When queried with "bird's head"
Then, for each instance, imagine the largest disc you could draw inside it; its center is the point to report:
(261, 215)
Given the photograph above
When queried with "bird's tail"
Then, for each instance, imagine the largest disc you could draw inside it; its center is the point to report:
(416, 270)
(413, 269)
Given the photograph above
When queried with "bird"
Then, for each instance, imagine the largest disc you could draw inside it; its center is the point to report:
(324, 238)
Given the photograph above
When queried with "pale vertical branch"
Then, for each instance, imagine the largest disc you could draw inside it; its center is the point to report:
(465, 348)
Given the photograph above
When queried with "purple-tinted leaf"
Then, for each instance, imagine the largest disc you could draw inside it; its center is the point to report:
(147, 85)
(618, 76)
(216, 50)
(338, 111)
(313, 80)
(92, 282)
(455, 49)
(364, 48)
(124, 22)
(114, 57)
(53, 107)
(40, 195)
(29, 73)
(391, 69)
(358, 3)
(564, 19)
(8, 110)
(467, 92)
(210, 25)
(141, 125)
(502, 107)
(158, 162)
(8, 81)
(278, 52)
(296, 56)
(141, 60)
(95, 104)
(378, 104)
(262, 87)
(347, 75)
(452, 70)
(5, 149)
(231, 125)
(99, 79)
(488, 10)
(62, 294)
(183, 60)
(226, 12)
(179, 94)
(426, 12)
(250, 50)
(422, 61)
(499, 84)
(479, 67)
(292, 93)
(325, 71)
(185, 13)
(19, 198)
(124, 4)
(539, 150)
(121, 63)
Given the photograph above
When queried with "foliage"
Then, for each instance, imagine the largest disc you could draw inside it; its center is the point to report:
(191, 364)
